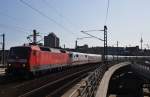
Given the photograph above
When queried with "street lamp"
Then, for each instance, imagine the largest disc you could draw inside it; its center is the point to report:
(105, 41)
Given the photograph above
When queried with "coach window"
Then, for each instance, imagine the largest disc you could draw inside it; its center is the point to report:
(62, 51)
(70, 55)
(77, 55)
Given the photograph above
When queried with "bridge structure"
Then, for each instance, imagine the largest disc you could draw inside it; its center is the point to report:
(103, 87)
(125, 79)
(128, 79)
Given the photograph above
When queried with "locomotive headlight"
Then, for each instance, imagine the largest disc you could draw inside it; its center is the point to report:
(24, 65)
(9, 65)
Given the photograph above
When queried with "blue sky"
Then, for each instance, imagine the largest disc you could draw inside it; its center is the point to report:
(127, 21)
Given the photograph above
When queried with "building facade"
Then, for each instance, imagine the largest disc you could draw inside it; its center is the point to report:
(51, 40)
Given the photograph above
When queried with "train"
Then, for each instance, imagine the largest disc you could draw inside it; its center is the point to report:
(34, 59)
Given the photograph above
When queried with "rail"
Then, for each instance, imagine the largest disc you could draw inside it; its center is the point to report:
(57, 87)
(88, 85)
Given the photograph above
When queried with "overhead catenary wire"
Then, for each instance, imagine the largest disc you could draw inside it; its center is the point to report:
(92, 35)
(54, 9)
(14, 19)
(14, 27)
(6, 15)
(60, 14)
(107, 11)
(46, 16)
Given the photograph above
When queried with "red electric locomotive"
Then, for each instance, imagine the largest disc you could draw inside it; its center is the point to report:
(34, 59)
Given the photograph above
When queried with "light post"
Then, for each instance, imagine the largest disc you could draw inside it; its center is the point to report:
(105, 50)
(117, 51)
(3, 49)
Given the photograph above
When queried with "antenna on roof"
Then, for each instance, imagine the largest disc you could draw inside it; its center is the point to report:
(141, 42)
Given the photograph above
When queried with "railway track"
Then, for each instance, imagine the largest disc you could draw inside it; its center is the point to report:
(48, 85)
(7, 82)
(4, 79)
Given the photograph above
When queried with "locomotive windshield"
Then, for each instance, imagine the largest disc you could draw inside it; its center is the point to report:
(19, 52)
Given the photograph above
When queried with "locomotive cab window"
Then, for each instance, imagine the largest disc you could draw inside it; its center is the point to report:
(19, 52)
